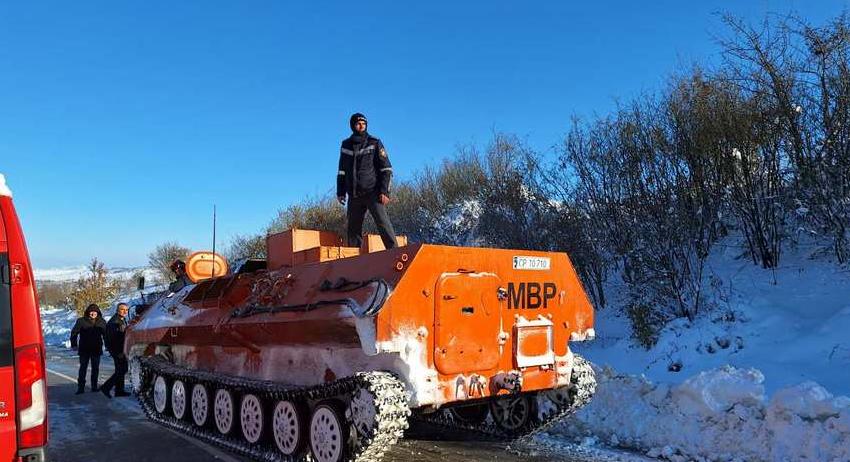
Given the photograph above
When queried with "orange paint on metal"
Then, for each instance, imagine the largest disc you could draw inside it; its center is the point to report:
(324, 253)
(452, 313)
(282, 247)
(374, 243)
(466, 323)
(534, 341)
(205, 265)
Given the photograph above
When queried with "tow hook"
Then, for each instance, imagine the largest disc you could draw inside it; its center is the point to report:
(477, 385)
(511, 381)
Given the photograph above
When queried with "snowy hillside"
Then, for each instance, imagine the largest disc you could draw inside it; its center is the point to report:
(792, 324)
(72, 273)
(754, 379)
(56, 323)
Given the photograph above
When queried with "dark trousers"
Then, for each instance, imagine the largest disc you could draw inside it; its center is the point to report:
(117, 378)
(357, 207)
(84, 364)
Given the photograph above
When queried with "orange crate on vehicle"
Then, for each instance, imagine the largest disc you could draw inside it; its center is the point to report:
(282, 247)
(324, 253)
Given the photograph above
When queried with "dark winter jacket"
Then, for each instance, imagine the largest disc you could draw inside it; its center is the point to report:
(115, 335)
(364, 167)
(91, 333)
(179, 283)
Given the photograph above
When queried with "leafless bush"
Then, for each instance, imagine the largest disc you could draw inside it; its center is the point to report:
(734, 155)
(440, 205)
(95, 287)
(323, 214)
(640, 186)
(243, 246)
(161, 258)
(55, 293)
(801, 76)
(514, 211)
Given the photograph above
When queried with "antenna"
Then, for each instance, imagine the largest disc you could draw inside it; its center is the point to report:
(212, 263)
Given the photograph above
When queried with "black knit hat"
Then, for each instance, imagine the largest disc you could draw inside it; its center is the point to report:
(355, 118)
(177, 264)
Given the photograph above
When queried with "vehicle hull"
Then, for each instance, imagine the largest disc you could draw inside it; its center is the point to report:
(455, 324)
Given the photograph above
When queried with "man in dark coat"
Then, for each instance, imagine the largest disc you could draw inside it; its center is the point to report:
(364, 177)
(115, 345)
(91, 331)
(181, 278)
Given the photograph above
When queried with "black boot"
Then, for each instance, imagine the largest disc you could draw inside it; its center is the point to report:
(105, 392)
(94, 389)
(121, 393)
(80, 390)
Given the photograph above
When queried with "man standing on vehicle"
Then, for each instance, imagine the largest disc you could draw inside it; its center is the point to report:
(178, 267)
(364, 177)
(115, 345)
(91, 331)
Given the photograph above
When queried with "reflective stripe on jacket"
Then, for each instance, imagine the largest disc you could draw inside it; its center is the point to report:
(364, 167)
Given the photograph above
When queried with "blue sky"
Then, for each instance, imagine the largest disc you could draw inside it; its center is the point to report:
(122, 123)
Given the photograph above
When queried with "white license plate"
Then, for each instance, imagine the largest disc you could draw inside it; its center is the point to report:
(531, 263)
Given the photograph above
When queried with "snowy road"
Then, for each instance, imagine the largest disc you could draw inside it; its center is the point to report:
(89, 427)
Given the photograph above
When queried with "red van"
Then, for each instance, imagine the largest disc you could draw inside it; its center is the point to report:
(23, 383)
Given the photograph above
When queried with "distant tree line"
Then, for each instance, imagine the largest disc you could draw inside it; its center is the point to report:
(93, 286)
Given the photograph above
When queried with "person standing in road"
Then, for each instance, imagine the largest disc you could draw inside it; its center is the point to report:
(364, 179)
(91, 331)
(115, 345)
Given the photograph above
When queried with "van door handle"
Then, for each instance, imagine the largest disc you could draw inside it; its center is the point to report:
(12, 274)
(17, 273)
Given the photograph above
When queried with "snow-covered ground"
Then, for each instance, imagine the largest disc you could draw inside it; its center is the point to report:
(754, 379)
(56, 323)
(723, 414)
(791, 324)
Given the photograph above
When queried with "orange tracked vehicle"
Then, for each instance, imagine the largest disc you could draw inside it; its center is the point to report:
(328, 350)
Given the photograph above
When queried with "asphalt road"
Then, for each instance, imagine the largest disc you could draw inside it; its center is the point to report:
(90, 427)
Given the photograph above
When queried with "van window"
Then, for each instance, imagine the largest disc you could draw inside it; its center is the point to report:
(6, 348)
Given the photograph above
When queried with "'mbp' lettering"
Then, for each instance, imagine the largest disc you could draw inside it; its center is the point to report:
(530, 295)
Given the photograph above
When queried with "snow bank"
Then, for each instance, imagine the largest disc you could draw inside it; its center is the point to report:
(718, 415)
(56, 323)
(791, 324)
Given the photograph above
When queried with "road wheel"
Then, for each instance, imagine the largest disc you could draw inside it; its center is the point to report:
(135, 373)
(288, 427)
(562, 397)
(160, 394)
(363, 412)
(223, 411)
(514, 413)
(328, 434)
(178, 399)
(252, 418)
(200, 404)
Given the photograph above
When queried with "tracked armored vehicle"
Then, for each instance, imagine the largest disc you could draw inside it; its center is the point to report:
(327, 351)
